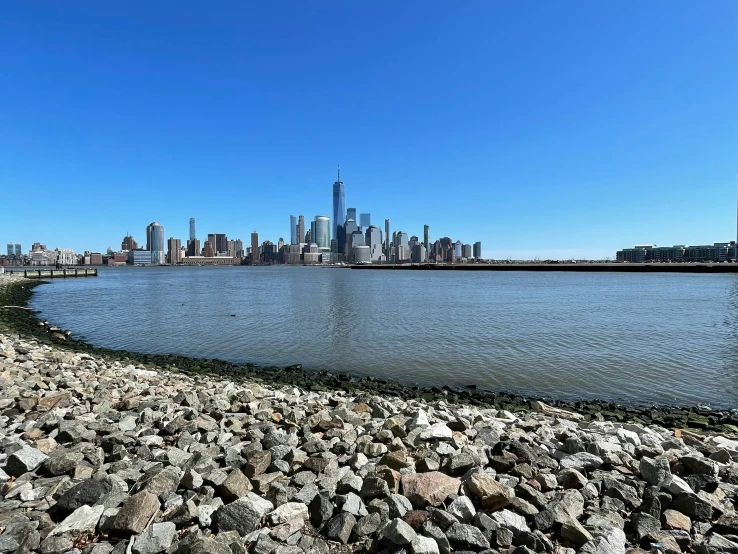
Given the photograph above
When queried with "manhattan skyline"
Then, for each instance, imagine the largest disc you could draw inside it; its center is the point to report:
(541, 131)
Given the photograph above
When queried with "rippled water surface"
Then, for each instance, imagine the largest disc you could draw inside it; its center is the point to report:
(655, 337)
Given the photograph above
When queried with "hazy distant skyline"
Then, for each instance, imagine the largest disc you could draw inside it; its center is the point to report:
(542, 130)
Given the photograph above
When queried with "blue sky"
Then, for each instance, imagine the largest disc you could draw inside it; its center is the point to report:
(550, 129)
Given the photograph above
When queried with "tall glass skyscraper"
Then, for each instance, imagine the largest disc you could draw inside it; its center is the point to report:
(365, 220)
(322, 231)
(426, 237)
(293, 230)
(351, 214)
(193, 236)
(157, 243)
(339, 204)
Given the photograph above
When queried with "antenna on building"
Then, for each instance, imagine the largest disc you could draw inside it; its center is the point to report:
(339, 173)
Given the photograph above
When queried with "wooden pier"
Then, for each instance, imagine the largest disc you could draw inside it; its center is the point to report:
(56, 273)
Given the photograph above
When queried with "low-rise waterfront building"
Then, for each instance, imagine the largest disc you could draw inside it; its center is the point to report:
(717, 252)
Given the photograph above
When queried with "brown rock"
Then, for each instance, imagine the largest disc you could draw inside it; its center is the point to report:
(235, 486)
(494, 494)
(136, 513)
(673, 520)
(58, 400)
(415, 518)
(429, 489)
(258, 462)
(396, 460)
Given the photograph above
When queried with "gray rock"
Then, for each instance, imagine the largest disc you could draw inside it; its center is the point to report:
(243, 515)
(289, 512)
(463, 509)
(367, 525)
(83, 520)
(655, 471)
(24, 460)
(340, 526)
(424, 545)
(155, 539)
(87, 492)
(235, 486)
(61, 461)
(581, 460)
(399, 532)
(643, 524)
(466, 536)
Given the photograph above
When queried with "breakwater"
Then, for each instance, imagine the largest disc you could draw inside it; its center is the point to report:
(564, 266)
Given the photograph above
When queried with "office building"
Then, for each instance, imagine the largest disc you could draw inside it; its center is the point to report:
(362, 254)
(157, 243)
(322, 236)
(339, 204)
(269, 252)
(128, 243)
(466, 251)
(419, 255)
(348, 229)
(139, 257)
(192, 229)
(301, 229)
(457, 249)
(365, 220)
(255, 248)
(387, 240)
(174, 251)
(312, 232)
(351, 214)
(148, 236)
(11, 249)
(193, 247)
(426, 238)
(293, 230)
(18, 250)
(478, 250)
(208, 250)
(402, 239)
(373, 239)
(221, 243)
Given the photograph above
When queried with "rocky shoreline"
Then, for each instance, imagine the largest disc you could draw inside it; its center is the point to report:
(103, 453)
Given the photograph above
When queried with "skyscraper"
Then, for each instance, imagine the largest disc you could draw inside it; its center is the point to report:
(18, 250)
(365, 220)
(255, 248)
(351, 214)
(322, 231)
(374, 241)
(387, 239)
(192, 229)
(221, 242)
(293, 230)
(457, 249)
(174, 251)
(426, 237)
(128, 243)
(11, 251)
(339, 204)
(301, 229)
(157, 243)
(478, 250)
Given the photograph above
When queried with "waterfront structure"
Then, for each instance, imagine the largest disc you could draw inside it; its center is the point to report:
(192, 229)
(426, 238)
(466, 251)
(477, 250)
(717, 252)
(174, 251)
(212, 260)
(155, 232)
(373, 239)
(322, 236)
(139, 257)
(293, 230)
(365, 220)
(301, 229)
(351, 214)
(339, 204)
(255, 247)
(128, 243)
(457, 249)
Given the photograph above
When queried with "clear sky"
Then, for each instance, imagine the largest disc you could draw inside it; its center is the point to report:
(549, 129)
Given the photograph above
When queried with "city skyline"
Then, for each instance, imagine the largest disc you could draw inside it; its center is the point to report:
(570, 145)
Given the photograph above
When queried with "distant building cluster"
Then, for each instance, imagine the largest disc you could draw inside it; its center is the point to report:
(717, 252)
